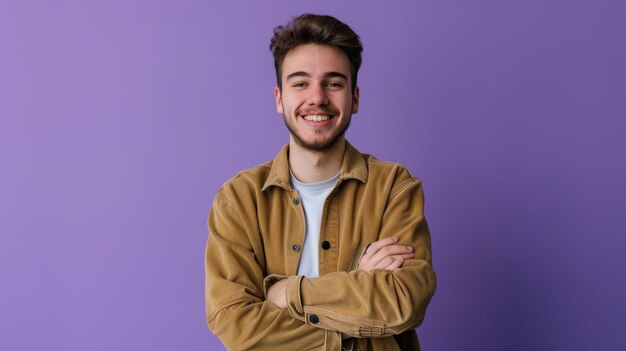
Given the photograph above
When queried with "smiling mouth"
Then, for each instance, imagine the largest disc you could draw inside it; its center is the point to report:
(317, 118)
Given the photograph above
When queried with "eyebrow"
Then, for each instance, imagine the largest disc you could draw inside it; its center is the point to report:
(327, 75)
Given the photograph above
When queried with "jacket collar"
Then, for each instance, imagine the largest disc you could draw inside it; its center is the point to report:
(353, 167)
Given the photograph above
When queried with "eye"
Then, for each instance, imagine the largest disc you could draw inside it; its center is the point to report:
(299, 85)
(334, 85)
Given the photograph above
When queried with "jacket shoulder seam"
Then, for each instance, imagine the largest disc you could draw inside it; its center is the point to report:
(403, 186)
(221, 197)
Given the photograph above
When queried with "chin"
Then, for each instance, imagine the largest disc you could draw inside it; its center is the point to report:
(318, 145)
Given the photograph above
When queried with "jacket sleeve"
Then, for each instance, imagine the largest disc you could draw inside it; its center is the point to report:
(235, 304)
(380, 303)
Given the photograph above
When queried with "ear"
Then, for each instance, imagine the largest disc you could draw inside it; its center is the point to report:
(355, 100)
(279, 100)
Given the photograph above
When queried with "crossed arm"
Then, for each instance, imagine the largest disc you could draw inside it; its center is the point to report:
(386, 295)
(384, 254)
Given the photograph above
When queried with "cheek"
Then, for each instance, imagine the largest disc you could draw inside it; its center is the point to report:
(290, 103)
(344, 102)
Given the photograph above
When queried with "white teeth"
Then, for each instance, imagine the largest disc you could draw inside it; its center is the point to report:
(317, 118)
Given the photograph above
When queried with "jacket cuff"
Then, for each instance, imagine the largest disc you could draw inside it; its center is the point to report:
(294, 299)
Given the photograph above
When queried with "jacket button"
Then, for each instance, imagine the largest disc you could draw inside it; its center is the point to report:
(296, 201)
(325, 245)
(295, 248)
(314, 319)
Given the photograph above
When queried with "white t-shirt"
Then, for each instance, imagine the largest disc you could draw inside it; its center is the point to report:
(312, 197)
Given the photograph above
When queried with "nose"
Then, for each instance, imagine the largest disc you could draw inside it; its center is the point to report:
(317, 95)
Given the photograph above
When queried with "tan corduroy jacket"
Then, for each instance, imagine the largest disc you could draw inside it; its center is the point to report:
(256, 232)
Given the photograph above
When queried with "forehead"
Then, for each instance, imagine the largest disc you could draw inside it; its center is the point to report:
(316, 60)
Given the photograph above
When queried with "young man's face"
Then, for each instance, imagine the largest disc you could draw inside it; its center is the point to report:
(316, 98)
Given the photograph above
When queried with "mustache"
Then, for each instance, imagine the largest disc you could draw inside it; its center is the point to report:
(317, 111)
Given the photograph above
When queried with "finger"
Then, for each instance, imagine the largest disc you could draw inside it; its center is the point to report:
(404, 257)
(365, 261)
(377, 245)
(368, 263)
(388, 251)
(395, 265)
(407, 256)
(386, 262)
(391, 259)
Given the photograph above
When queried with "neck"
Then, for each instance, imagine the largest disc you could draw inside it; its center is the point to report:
(315, 166)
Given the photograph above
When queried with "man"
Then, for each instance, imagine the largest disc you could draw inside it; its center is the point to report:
(323, 248)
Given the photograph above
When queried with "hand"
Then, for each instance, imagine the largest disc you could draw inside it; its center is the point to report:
(385, 254)
(276, 293)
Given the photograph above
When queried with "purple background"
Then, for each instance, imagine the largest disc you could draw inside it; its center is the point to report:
(121, 119)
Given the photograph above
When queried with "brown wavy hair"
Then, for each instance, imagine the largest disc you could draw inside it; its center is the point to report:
(316, 29)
